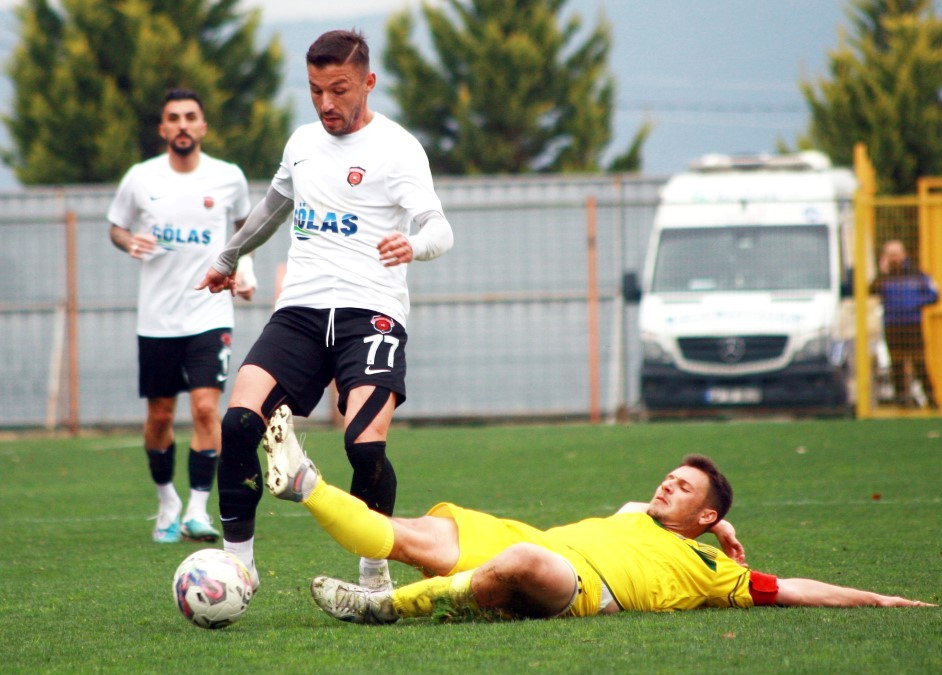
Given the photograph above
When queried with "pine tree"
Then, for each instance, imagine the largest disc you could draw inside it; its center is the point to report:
(511, 91)
(884, 87)
(89, 81)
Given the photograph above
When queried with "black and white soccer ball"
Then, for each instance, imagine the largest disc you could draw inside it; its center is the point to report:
(212, 588)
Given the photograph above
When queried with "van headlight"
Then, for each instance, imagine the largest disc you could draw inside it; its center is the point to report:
(652, 352)
(820, 348)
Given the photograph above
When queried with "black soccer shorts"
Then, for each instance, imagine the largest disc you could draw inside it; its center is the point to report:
(304, 349)
(167, 366)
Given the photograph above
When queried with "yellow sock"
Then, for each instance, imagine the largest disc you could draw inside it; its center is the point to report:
(350, 522)
(445, 596)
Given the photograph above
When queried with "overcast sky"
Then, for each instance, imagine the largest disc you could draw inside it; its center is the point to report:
(283, 10)
(710, 76)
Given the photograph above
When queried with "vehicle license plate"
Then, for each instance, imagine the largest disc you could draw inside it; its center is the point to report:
(733, 395)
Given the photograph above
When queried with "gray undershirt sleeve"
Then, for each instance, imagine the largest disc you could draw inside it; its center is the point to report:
(263, 221)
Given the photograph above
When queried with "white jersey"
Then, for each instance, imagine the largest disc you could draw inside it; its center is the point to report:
(189, 213)
(349, 193)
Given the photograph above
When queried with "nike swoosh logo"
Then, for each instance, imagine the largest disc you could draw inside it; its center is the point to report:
(154, 199)
(301, 160)
(227, 520)
(371, 371)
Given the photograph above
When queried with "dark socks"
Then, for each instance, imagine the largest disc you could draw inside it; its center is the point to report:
(374, 480)
(240, 473)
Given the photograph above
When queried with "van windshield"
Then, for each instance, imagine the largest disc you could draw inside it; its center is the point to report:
(736, 258)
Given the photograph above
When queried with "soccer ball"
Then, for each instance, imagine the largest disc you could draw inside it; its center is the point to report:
(212, 588)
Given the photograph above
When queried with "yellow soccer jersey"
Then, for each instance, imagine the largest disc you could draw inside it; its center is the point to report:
(648, 568)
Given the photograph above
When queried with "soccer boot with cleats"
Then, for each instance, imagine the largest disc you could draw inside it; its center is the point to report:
(291, 474)
(353, 603)
(199, 529)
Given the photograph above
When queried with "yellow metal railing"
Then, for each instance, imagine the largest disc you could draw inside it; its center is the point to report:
(916, 220)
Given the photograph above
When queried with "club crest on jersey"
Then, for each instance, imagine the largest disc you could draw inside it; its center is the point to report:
(355, 175)
(383, 323)
(208, 202)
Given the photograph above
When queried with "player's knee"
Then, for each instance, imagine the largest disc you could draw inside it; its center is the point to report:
(374, 479)
(368, 457)
(160, 417)
(533, 581)
(524, 562)
(205, 414)
(532, 567)
(242, 430)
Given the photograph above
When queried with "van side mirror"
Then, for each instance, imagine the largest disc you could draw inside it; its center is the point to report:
(631, 288)
(847, 284)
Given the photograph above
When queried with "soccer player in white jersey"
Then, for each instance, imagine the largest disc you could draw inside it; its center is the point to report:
(355, 181)
(172, 213)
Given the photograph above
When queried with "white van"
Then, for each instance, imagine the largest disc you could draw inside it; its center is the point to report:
(740, 303)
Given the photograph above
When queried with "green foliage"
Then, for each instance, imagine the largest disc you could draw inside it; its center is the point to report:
(631, 159)
(83, 589)
(89, 79)
(511, 91)
(884, 88)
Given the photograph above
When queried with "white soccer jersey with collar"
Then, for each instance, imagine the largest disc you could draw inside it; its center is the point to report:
(349, 193)
(189, 213)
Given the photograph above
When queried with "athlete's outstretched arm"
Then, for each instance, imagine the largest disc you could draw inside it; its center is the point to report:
(811, 593)
(263, 221)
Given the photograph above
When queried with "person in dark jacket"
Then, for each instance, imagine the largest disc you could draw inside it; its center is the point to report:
(904, 290)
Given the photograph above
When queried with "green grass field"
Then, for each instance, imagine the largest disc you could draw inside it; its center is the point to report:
(83, 589)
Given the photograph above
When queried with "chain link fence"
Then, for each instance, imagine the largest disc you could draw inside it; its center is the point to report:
(524, 318)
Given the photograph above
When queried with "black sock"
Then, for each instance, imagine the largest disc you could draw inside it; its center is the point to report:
(240, 473)
(202, 469)
(161, 464)
(374, 480)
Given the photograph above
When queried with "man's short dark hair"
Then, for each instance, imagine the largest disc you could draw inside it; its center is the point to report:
(183, 95)
(720, 496)
(338, 47)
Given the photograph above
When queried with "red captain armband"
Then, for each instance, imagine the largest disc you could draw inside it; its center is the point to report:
(763, 588)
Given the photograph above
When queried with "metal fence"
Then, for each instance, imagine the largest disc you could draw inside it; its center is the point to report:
(898, 375)
(523, 318)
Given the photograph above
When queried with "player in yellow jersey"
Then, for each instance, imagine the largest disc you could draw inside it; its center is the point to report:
(643, 558)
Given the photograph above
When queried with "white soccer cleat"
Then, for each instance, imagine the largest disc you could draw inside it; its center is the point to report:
(352, 603)
(291, 474)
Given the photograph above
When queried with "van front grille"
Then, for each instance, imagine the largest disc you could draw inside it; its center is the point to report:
(733, 349)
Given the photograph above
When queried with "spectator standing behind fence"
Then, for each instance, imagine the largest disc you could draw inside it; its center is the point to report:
(904, 291)
(172, 213)
(355, 182)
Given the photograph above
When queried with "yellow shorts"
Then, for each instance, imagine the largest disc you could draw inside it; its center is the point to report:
(482, 536)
